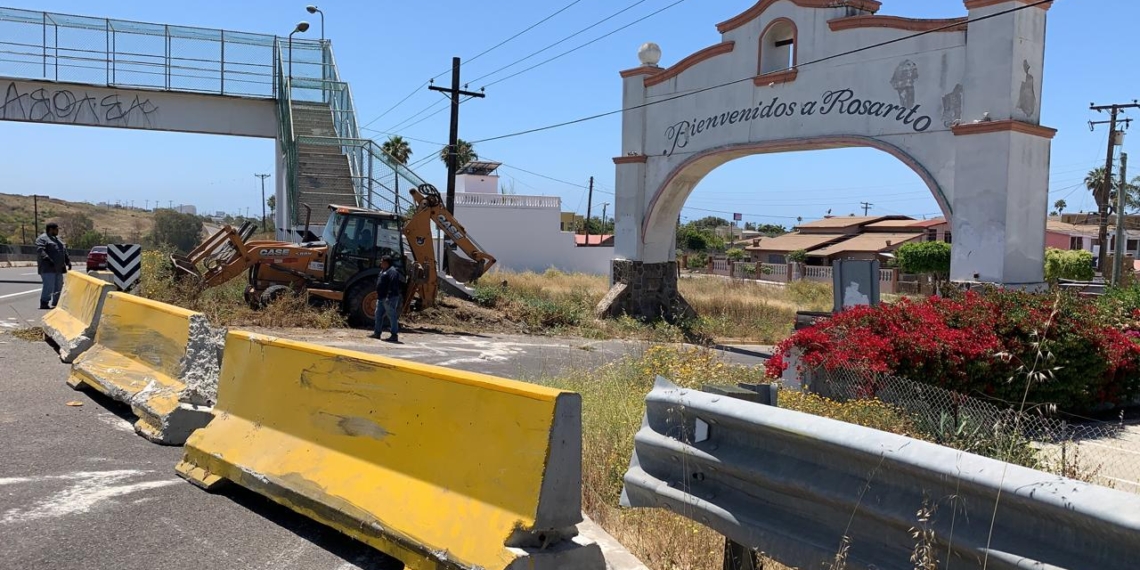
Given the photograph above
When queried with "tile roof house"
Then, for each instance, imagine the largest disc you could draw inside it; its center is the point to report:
(850, 237)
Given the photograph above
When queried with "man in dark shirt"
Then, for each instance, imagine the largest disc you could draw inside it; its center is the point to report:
(52, 263)
(390, 297)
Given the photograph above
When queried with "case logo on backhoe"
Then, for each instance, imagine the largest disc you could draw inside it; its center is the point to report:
(273, 251)
(451, 229)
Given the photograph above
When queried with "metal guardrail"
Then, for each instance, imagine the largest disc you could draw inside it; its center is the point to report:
(122, 53)
(805, 490)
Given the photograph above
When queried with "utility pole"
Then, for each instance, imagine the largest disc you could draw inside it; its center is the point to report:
(36, 210)
(23, 234)
(453, 137)
(1106, 186)
(1118, 258)
(264, 217)
(604, 205)
(866, 207)
(589, 204)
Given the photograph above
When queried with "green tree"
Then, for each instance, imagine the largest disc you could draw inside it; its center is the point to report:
(1060, 206)
(92, 238)
(710, 222)
(692, 239)
(797, 256)
(465, 152)
(397, 148)
(771, 230)
(181, 231)
(73, 226)
(272, 203)
(928, 257)
(1095, 179)
(4, 240)
(736, 254)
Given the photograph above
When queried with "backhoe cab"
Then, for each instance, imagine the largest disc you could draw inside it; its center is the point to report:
(342, 264)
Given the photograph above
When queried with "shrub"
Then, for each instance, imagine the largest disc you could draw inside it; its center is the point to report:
(924, 257)
(1068, 264)
(698, 261)
(797, 256)
(982, 343)
(735, 254)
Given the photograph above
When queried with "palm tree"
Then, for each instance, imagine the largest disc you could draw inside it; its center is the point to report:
(1060, 206)
(465, 153)
(397, 148)
(1095, 179)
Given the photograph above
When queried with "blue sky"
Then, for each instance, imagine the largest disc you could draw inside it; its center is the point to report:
(386, 49)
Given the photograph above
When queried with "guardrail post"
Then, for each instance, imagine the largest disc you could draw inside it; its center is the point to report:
(736, 555)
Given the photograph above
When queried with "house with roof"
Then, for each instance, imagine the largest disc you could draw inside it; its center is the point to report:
(833, 238)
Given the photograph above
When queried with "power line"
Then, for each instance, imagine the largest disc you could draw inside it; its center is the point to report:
(750, 78)
(567, 38)
(595, 40)
(485, 52)
(532, 26)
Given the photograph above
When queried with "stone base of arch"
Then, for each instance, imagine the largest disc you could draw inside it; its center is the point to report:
(645, 291)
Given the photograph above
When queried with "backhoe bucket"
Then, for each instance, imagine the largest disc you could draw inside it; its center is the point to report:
(214, 254)
(462, 269)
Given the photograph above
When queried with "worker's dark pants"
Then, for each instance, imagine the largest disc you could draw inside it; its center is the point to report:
(388, 309)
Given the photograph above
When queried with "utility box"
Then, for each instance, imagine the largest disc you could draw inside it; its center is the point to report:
(856, 282)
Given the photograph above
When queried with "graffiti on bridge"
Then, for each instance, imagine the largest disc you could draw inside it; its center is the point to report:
(42, 105)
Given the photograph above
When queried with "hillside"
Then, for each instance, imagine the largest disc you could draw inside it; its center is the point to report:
(125, 223)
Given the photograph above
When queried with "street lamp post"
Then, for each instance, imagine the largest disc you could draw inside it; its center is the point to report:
(301, 27)
(314, 10)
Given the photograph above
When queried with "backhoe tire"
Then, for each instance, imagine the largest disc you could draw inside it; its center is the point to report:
(361, 305)
(272, 293)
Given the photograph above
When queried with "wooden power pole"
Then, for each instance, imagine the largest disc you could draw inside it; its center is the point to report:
(1105, 193)
(453, 137)
(1118, 257)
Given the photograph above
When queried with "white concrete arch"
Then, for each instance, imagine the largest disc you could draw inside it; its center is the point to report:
(961, 110)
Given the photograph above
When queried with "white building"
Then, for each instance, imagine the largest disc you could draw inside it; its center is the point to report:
(185, 209)
(522, 232)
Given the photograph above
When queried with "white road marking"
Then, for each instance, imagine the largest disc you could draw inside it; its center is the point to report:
(20, 293)
(116, 422)
(25, 274)
(87, 489)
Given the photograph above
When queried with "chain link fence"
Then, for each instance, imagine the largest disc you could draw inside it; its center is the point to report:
(1100, 452)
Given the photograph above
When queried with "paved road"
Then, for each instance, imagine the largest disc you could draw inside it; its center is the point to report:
(79, 490)
(19, 302)
(508, 356)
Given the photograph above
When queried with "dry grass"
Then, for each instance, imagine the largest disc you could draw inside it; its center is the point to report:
(612, 406)
(225, 305)
(729, 310)
(30, 334)
(16, 209)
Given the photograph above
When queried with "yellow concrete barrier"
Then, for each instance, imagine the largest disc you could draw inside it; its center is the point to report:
(436, 467)
(73, 321)
(160, 359)
(104, 276)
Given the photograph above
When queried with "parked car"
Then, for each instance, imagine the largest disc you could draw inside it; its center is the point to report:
(97, 258)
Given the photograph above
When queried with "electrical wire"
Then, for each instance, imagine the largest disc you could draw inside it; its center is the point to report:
(484, 52)
(567, 38)
(595, 40)
(750, 78)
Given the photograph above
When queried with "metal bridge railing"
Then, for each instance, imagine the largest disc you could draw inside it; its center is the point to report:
(121, 53)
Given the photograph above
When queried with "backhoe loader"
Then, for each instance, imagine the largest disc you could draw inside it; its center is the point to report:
(341, 265)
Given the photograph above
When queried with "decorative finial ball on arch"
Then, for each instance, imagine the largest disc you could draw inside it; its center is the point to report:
(649, 53)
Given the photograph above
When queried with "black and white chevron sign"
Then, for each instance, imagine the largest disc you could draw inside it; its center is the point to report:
(125, 261)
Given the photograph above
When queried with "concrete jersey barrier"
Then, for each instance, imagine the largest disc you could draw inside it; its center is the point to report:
(439, 468)
(160, 359)
(73, 321)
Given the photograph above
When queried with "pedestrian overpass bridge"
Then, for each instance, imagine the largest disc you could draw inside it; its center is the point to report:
(99, 72)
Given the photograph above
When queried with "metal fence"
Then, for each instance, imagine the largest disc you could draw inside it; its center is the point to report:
(121, 53)
(1100, 452)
